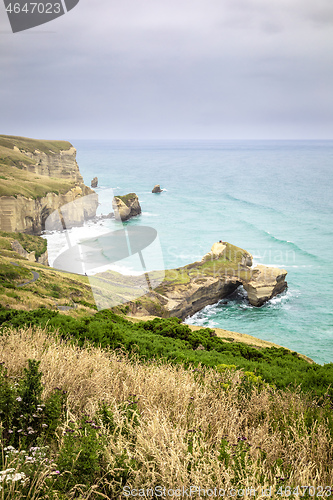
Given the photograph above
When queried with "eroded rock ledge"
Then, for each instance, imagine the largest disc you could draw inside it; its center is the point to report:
(186, 290)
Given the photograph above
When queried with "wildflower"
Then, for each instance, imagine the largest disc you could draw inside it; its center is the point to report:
(19, 399)
(5, 472)
(44, 425)
(10, 431)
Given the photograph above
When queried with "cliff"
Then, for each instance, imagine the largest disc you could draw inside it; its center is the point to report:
(37, 178)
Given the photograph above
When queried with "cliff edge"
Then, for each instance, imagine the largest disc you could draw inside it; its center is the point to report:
(37, 178)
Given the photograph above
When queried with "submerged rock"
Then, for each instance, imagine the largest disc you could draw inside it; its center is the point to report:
(157, 189)
(126, 206)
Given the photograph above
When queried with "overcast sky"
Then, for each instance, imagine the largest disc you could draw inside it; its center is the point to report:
(172, 69)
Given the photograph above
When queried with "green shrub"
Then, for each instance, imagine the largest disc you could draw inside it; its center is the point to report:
(25, 417)
(169, 340)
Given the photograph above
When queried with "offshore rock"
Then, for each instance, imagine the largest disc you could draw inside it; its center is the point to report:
(94, 182)
(126, 206)
(266, 283)
(157, 189)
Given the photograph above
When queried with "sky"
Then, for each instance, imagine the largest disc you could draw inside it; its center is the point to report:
(171, 69)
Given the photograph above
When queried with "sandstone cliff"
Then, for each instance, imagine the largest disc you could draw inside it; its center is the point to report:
(37, 178)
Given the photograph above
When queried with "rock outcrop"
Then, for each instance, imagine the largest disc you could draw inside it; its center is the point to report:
(187, 290)
(266, 283)
(94, 182)
(31, 256)
(40, 177)
(126, 206)
(157, 189)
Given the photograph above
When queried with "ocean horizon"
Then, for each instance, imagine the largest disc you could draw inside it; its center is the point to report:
(272, 198)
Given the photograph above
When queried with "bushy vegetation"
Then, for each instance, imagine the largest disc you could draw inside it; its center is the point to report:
(169, 340)
(123, 424)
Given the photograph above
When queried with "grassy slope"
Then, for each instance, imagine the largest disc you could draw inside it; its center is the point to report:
(15, 181)
(51, 289)
(29, 242)
(30, 145)
(229, 264)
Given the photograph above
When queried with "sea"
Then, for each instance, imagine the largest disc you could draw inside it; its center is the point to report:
(272, 198)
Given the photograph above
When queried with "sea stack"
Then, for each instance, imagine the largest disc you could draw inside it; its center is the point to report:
(126, 206)
(94, 182)
(157, 189)
(266, 283)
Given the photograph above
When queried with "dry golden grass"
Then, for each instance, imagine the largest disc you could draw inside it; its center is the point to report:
(183, 417)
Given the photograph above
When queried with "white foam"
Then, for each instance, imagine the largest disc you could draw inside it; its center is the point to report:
(310, 265)
(280, 299)
(59, 241)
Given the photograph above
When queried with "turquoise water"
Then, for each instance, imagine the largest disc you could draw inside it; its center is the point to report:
(272, 198)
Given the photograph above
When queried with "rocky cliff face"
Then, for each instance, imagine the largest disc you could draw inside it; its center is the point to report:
(26, 215)
(61, 165)
(19, 213)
